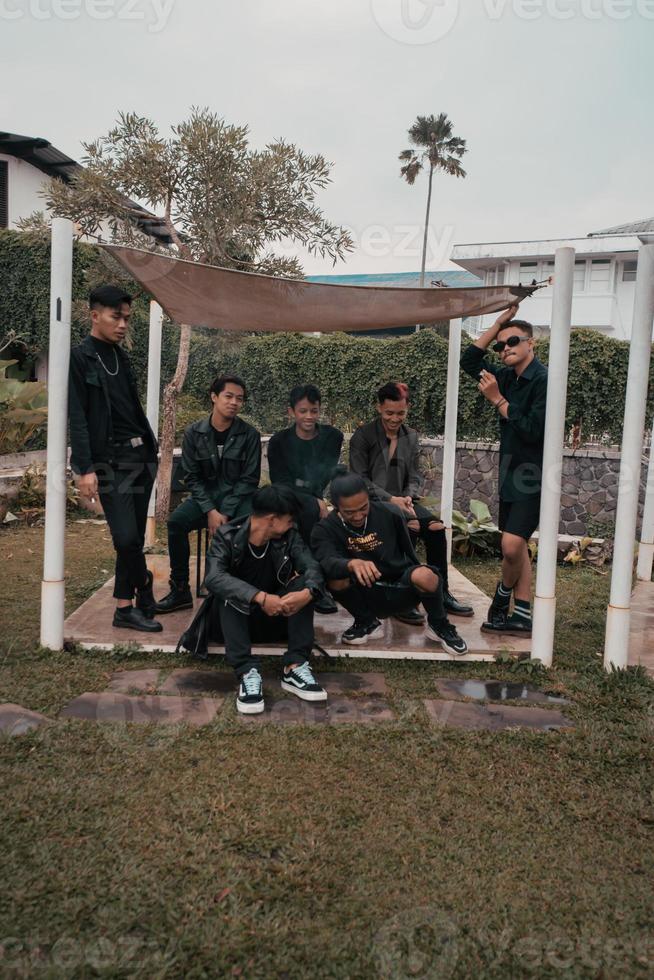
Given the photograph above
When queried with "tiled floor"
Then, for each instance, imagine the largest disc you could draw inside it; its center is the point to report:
(90, 626)
(641, 630)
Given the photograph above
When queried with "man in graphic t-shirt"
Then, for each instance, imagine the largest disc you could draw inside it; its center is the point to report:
(221, 463)
(371, 568)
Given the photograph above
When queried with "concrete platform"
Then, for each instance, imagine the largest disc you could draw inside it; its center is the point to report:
(641, 627)
(90, 626)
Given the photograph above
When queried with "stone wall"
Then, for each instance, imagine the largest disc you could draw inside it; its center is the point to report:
(589, 482)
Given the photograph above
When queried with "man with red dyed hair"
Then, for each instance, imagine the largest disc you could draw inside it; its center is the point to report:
(386, 454)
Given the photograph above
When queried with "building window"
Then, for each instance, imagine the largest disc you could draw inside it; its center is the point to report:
(4, 194)
(490, 277)
(600, 276)
(629, 271)
(579, 277)
(528, 272)
(500, 275)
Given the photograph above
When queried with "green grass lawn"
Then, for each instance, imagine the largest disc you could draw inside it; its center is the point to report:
(397, 851)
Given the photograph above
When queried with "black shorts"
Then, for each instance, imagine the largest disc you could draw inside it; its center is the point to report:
(520, 517)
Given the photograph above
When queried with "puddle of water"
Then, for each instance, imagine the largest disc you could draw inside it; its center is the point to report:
(504, 691)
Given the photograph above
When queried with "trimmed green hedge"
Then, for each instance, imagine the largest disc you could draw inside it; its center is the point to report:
(347, 369)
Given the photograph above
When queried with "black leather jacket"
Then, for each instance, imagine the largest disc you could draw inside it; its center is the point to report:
(89, 409)
(289, 555)
(227, 484)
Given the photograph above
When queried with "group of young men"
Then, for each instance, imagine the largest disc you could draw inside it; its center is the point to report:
(282, 552)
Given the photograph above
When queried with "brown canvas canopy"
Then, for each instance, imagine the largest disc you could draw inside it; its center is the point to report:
(208, 296)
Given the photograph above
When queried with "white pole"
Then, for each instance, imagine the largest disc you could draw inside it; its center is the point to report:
(550, 502)
(52, 585)
(152, 402)
(616, 643)
(449, 440)
(646, 546)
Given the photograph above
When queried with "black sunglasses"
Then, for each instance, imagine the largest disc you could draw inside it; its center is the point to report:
(511, 342)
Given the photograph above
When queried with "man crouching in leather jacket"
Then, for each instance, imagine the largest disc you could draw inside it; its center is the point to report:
(221, 466)
(265, 581)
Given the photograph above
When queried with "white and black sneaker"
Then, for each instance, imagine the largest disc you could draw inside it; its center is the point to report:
(360, 632)
(250, 693)
(300, 680)
(445, 634)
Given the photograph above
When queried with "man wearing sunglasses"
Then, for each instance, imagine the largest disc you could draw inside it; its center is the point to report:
(517, 391)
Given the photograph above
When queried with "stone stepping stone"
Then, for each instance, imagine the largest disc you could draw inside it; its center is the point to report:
(186, 680)
(110, 707)
(493, 717)
(370, 684)
(336, 711)
(16, 720)
(485, 690)
(142, 681)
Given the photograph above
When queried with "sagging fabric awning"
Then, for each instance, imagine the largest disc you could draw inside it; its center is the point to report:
(208, 296)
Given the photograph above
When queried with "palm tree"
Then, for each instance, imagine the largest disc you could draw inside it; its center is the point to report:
(436, 146)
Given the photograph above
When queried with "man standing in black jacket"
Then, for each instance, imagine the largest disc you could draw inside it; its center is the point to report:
(386, 454)
(367, 557)
(221, 466)
(265, 581)
(113, 449)
(518, 392)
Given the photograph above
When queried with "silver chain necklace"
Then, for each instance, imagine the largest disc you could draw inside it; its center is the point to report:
(262, 555)
(112, 374)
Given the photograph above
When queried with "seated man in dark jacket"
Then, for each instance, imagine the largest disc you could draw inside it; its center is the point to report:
(304, 458)
(367, 557)
(386, 454)
(266, 581)
(221, 464)
(305, 455)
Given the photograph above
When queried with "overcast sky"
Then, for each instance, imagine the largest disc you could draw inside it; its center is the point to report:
(554, 98)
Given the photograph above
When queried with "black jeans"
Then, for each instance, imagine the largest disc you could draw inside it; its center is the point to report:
(125, 490)
(384, 599)
(435, 542)
(307, 516)
(241, 630)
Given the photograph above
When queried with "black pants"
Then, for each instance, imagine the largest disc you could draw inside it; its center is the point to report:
(125, 489)
(188, 517)
(241, 630)
(384, 599)
(435, 542)
(307, 516)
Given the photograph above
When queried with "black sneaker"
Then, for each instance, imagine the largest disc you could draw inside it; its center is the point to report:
(179, 597)
(499, 621)
(445, 634)
(250, 693)
(455, 608)
(359, 632)
(300, 681)
(131, 618)
(412, 617)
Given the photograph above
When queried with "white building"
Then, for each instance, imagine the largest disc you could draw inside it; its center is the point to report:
(605, 273)
(26, 165)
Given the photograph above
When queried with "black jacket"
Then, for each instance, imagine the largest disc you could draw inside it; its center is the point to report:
(288, 469)
(89, 409)
(369, 458)
(522, 433)
(227, 484)
(385, 541)
(288, 553)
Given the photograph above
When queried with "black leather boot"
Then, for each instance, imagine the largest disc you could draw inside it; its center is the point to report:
(455, 608)
(131, 618)
(412, 617)
(179, 597)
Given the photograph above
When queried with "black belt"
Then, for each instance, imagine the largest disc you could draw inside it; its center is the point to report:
(133, 443)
